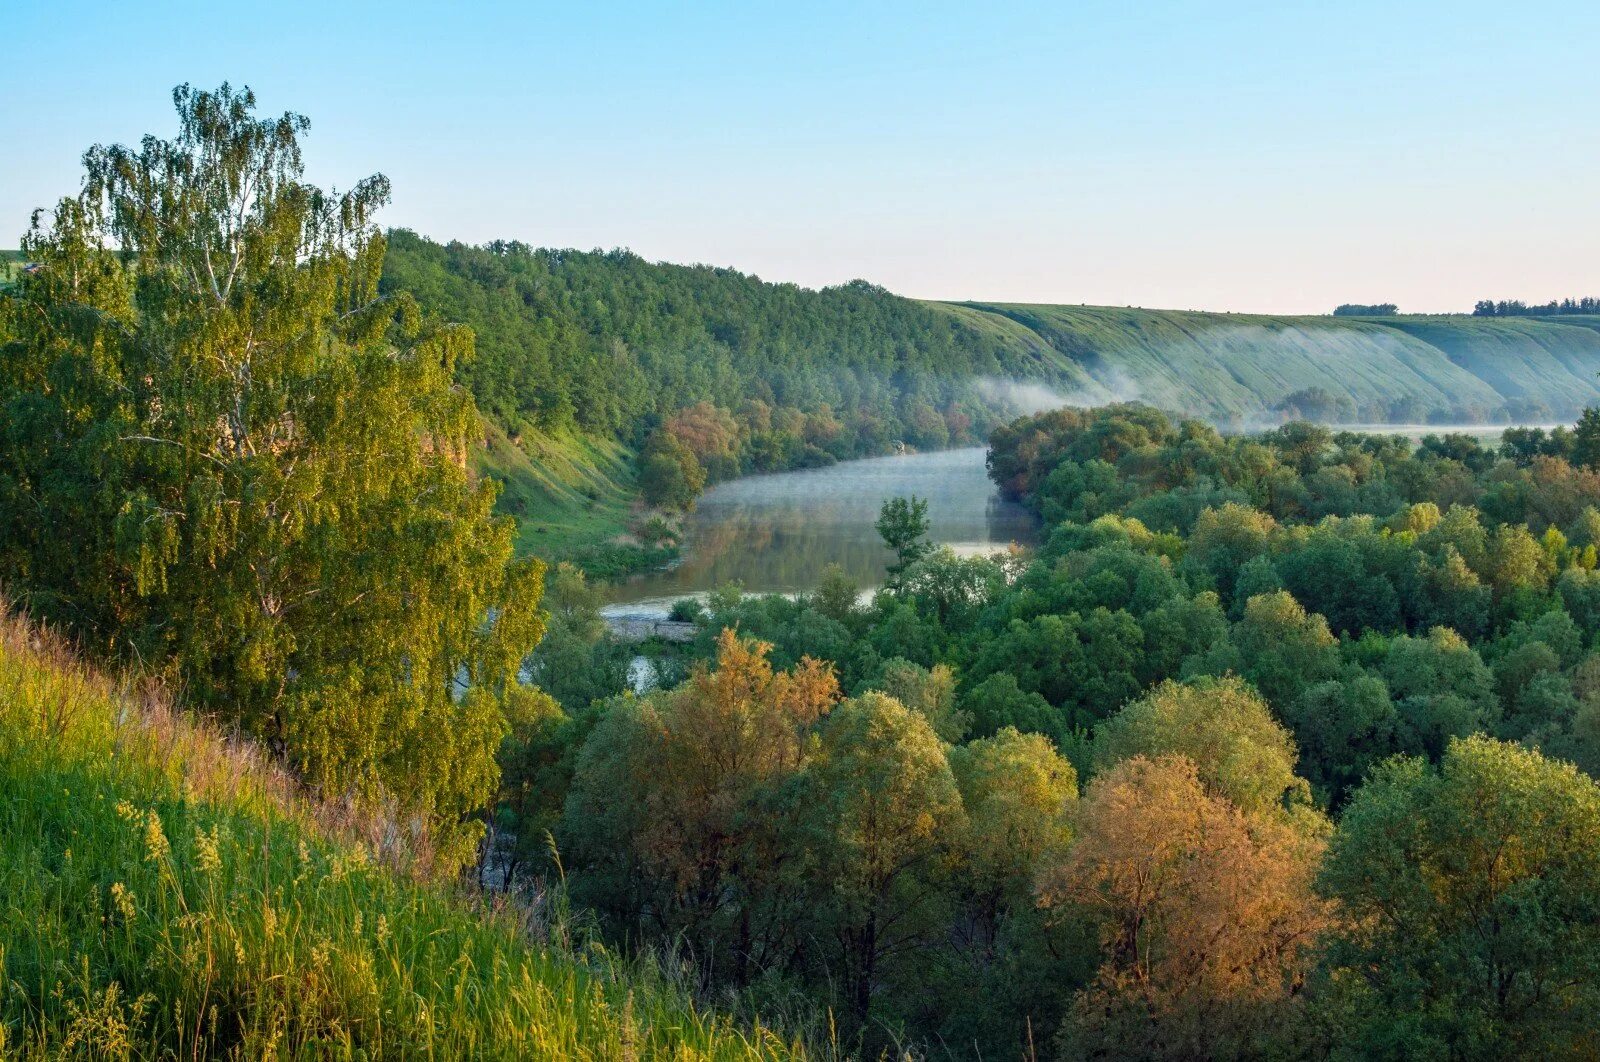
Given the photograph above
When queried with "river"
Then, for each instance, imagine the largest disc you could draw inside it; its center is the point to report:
(776, 533)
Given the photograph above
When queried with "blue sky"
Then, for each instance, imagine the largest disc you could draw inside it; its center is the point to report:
(1275, 157)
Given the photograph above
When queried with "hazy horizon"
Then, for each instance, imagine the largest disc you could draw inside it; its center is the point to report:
(1235, 158)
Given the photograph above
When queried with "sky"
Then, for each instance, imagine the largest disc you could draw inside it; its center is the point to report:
(1250, 157)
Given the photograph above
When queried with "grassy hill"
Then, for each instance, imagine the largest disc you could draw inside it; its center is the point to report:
(1241, 367)
(1544, 360)
(165, 893)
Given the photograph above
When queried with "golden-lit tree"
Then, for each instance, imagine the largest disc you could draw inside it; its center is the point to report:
(669, 818)
(1206, 916)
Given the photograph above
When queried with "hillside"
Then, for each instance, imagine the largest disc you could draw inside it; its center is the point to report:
(581, 355)
(1240, 367)
(584, 359)
(164, 892)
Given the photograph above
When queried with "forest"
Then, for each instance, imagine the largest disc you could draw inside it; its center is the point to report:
(1280, 744)
(602, 376)
(702, 374)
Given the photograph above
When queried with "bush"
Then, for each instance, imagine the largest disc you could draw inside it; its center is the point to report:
(687, 610)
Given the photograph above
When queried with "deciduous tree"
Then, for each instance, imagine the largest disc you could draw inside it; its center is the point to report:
(229, 457)
(1473, 891)
(1207, 918)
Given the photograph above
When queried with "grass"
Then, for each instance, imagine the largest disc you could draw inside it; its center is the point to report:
(166, 891)
(1226, 366)
(566, 492)
(1520, 356)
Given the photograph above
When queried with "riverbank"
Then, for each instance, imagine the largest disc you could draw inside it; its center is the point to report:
(777, 533)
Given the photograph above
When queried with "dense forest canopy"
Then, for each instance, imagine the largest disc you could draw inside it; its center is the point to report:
(704, 373)
(1304, 684)
(1362, 309)
(743, 375)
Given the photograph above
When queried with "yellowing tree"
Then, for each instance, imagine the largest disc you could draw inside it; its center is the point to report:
(1224, 727)
(1206, 916)
(229, 457)
(669, 818)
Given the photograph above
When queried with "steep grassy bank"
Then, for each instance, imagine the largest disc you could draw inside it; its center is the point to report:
(165, 893)
(567, 491)
(1242, 367)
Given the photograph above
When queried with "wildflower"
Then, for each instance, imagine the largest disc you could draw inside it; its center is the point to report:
(207, 859)
(122, 899)
(383, 929)
(156, 847)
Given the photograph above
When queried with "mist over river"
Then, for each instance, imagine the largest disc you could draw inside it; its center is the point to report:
(776, 533)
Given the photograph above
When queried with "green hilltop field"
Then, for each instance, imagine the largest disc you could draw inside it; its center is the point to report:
(1241, 367)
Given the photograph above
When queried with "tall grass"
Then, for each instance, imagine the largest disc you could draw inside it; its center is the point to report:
(167, 892)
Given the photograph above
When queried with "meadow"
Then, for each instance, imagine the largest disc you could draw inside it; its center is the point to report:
(168, 890)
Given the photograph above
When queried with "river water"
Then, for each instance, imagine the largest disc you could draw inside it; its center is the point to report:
(776, 533)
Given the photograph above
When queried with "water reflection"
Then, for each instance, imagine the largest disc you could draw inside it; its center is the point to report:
(776, 533)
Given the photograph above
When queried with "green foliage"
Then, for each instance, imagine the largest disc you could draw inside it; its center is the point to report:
(837, 596)
(228, 457)
(903, 526)
(1309, 606)
(165, 891)
(929, 693)
(1221, 725)
(578, 349)
(670, 476)
(1473, 895)
(882, 801)
(607, 348)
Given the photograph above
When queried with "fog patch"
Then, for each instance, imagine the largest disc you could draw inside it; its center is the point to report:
(1032, 396)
